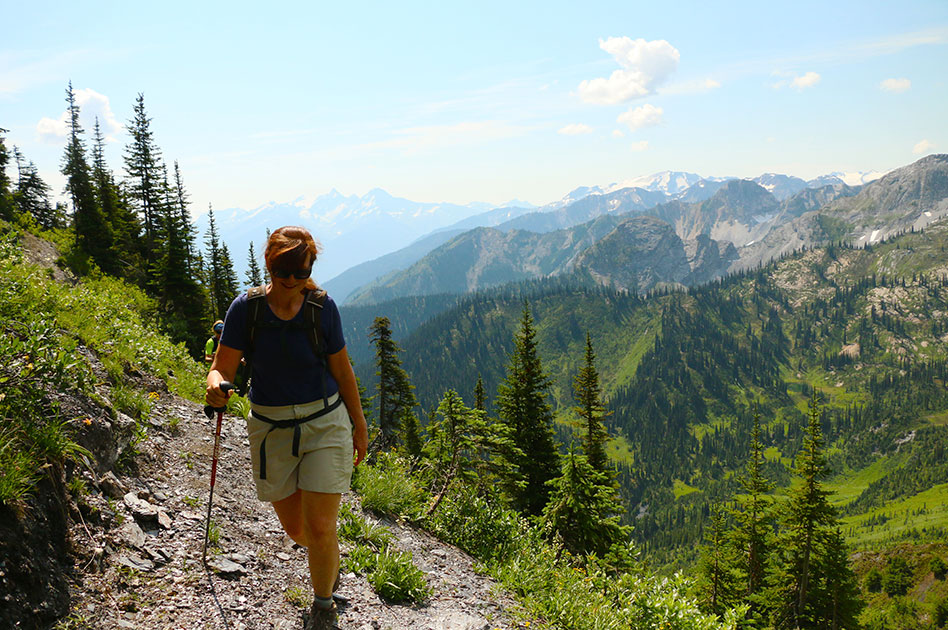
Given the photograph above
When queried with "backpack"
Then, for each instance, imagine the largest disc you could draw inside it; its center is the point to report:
(312, 317)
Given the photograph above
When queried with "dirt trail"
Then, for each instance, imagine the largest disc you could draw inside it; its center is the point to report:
(140, 567)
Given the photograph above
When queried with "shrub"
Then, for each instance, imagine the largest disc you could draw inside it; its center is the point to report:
(397, 579)
(940, 615)
(387, 487)
(356, 529)
(897, 578)
(361, 559)
(938, 567)
(479, 525)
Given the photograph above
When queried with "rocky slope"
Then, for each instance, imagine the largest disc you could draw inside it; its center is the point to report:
(141, 566)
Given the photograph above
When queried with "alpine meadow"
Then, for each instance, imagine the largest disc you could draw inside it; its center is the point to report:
(709, 395)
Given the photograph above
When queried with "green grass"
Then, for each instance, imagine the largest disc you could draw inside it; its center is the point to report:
(939, 419)
(620, 451)
(682, 489)
(928, 509)
(849, 485)
(388, 488)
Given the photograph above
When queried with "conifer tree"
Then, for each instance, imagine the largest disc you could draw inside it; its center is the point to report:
(464, 444)
(230, 285)
(186, 228)
(840, 593)
(582, 508)
(798, 585)
(143, 168)
(751, 536)
(591, 411)
(180, 293)
(395, 392)
(450, 449)
(126, 229)
(411, 436)
(480, 396)
(93, 234)
(254, 276)
(523, 404)
(719, 589)
(32, 193)
(216, 281)
(7, 207)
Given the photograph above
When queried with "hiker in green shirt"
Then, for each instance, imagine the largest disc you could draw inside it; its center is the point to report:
(210, 348)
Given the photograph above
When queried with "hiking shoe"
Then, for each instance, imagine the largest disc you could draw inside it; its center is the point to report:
(322, 618)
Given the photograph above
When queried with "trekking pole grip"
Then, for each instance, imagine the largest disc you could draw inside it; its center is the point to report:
(226, 386)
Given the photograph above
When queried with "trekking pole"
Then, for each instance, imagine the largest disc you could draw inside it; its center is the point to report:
(226, 386)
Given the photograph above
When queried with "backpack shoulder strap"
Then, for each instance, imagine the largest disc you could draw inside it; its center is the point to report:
(314, 329)
(314, 320)
(256, 296)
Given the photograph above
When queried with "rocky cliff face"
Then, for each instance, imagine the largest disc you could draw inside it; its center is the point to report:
(909, 198)
(643, 252)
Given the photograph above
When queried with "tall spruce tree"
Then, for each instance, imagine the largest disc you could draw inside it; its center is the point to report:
(395, 391)
(591, 411)
(254, 276)
(752, 534)
(216, 280)
(180, 292)
(93, 233)
(582, 508)
(187, 230)
(143, 169)
(798, 585)
(523, 404)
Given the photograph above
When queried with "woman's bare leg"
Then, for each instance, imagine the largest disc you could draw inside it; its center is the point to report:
(309, 518)
(320, 512)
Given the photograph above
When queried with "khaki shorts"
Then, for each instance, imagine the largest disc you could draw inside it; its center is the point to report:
(325, 453)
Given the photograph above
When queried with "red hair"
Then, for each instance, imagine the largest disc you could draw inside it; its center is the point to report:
(288, 248)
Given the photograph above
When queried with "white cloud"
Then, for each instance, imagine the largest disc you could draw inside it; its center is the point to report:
(645, 66)
(807, 80)
(92, 105)
(617, 133)
(923, 147)
(645, 116)
(799, 82)
(575, 129)
(696, 86)
(641, 145)
(895, 85)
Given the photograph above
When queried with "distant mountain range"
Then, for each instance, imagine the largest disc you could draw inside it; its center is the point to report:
(356, 230)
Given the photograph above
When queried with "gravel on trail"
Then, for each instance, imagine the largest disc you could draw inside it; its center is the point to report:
(139, 563)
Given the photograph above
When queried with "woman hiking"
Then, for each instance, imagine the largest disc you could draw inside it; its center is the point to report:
(302, 443)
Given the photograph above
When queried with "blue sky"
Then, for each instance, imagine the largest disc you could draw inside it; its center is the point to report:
(487, 101)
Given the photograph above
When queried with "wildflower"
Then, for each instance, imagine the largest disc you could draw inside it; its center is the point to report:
(87, 421)
(2, 396)
(153, 395)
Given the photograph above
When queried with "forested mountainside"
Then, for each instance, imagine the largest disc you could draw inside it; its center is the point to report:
(683, 371)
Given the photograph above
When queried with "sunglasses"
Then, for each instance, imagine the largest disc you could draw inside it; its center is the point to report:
(299, 274)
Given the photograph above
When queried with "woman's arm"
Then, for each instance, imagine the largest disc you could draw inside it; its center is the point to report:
(341, 371)
(224, 368)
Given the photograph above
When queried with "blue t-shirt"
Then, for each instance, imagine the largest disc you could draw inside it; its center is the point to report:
(285, 368)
